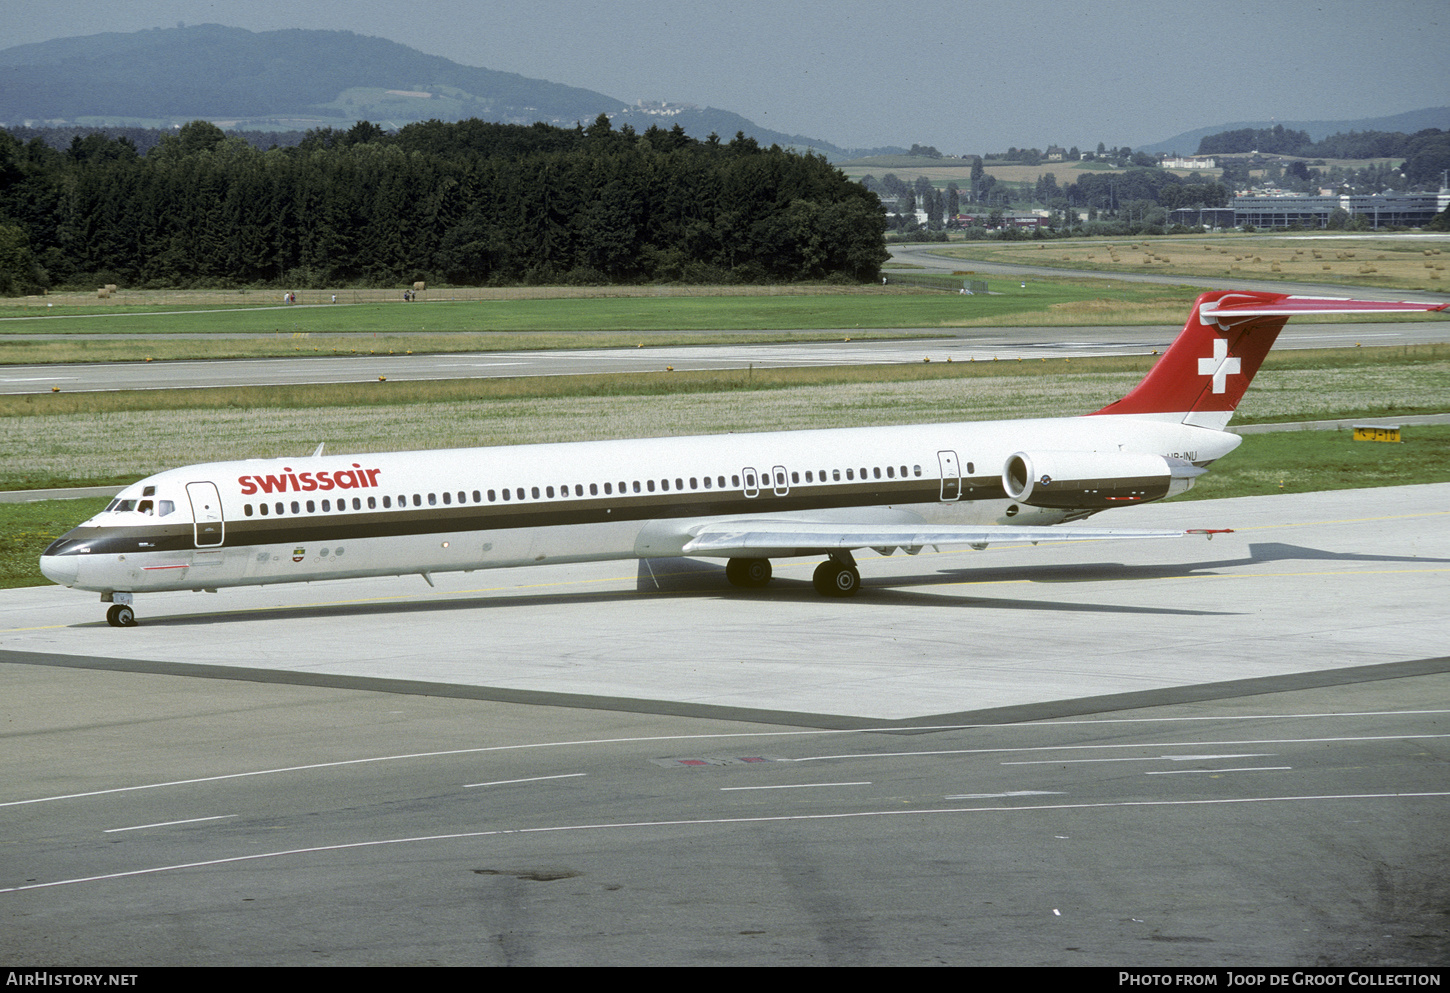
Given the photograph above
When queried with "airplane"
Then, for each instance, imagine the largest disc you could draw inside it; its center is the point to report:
(746, 498)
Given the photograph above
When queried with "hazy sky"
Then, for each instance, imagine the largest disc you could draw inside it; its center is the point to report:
(963, 75)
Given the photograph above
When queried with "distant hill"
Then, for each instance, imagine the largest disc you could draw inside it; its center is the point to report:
(298, 79)
(1407, 123)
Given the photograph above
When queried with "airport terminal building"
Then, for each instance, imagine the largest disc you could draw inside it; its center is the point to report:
(1380, 210)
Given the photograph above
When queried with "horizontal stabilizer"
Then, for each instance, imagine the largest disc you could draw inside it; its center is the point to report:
(1234, 307)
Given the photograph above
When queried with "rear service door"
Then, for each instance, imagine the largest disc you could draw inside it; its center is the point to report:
(206, 511)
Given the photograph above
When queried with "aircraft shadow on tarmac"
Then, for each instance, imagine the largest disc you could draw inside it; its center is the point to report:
(1094, 572)
(698, 578)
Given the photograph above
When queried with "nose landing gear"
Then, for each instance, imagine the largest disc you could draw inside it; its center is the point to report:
(121, 616)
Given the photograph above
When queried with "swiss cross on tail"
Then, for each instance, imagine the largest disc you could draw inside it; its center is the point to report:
(1203, 376)
(1219, 366)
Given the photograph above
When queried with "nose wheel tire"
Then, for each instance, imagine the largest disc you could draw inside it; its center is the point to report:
(834, 579)
(121, 616)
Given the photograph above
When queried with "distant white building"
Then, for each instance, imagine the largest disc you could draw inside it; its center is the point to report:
(1169, 162)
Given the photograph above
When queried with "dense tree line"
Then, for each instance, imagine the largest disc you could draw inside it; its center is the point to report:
(467, 203)
(143, 139)
(1423, 155)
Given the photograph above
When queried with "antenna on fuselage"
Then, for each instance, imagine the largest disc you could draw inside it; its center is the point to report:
(320, 446)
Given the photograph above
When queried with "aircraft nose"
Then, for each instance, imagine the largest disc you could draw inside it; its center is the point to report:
(62, 569)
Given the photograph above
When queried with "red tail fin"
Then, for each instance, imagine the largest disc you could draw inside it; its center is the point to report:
(1205, 373)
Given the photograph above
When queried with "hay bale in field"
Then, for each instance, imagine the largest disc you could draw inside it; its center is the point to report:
(419, 286)
(102, 292)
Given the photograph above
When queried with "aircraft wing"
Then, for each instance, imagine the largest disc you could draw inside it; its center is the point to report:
(786, 537)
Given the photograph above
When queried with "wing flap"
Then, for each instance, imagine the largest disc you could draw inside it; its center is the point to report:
(731, 538)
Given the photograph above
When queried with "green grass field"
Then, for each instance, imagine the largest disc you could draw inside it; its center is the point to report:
(181, 331)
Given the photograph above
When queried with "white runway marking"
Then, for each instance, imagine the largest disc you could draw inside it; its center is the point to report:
(790, 786)
(1002, 796)
(193, 820)
(708, 822)
(741, 734)
(1145, 758)
(531, 779)
(1247, 768)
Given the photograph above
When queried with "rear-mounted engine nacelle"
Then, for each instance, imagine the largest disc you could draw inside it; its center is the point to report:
(1094, 480)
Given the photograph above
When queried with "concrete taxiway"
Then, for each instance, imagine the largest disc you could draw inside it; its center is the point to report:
(1182, 752)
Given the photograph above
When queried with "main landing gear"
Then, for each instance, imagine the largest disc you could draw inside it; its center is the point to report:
(834, 578)
(748, 573)
(837, 576)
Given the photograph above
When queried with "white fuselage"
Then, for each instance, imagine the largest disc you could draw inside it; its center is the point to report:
(298, 520)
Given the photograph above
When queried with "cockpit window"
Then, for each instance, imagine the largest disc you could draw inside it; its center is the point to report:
(164, 507)
(146, 507)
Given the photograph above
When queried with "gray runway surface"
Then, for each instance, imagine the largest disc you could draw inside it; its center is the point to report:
(1189, 752)
(967, 345)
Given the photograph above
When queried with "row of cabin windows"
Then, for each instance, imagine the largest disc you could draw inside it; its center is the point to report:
(548, 492)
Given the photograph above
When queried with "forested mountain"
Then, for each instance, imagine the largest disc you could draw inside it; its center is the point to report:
(1409, 123)
(1423, 156)
(301, 79)
(465, 203)
(215, 72)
